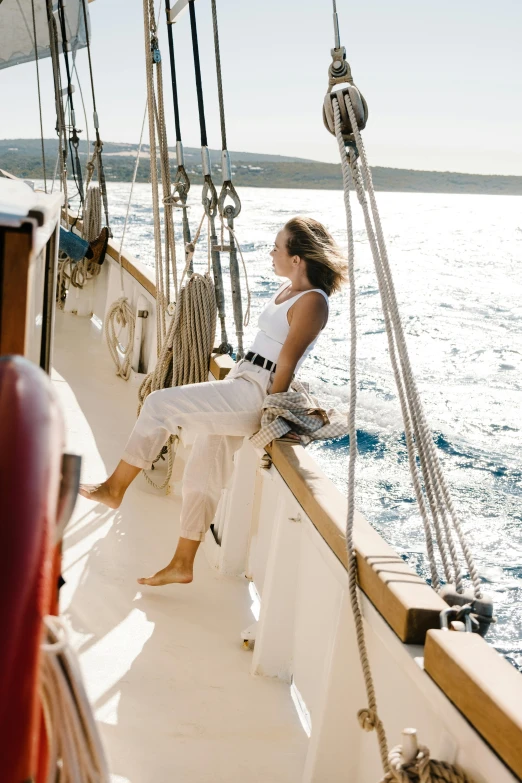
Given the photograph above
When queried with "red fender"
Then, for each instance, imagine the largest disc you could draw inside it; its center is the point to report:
(31, 445)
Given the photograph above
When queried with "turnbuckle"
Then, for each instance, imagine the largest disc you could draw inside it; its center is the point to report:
(457, 619)
(209, 197)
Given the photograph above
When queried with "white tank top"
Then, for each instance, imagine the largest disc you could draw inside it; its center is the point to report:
(274, 327)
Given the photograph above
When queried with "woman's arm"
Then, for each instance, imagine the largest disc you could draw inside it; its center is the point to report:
(307, 317)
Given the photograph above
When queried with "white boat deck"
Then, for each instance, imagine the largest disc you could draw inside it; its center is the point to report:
(164, 667)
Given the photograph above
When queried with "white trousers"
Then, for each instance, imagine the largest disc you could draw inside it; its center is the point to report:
(221, 414)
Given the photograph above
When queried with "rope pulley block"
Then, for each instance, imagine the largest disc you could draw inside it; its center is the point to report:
(476, 613)
(360, 108)
(339, 73)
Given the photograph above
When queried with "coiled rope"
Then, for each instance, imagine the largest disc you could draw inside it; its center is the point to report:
(422, 769)
(120, 313)
(186, 350)
(76, 753)
(92, 218)
(77, 273)
(119, 317)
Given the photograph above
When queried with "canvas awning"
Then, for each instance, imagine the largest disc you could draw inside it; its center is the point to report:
(16, 29)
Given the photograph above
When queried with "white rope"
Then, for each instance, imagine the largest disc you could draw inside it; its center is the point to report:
(422, 769)
(444, 518)
(165, 264)
(75, 750)
(368, 718)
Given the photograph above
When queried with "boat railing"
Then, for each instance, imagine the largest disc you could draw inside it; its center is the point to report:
(281, 527)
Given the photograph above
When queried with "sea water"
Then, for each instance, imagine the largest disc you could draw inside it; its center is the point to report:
(457, 265)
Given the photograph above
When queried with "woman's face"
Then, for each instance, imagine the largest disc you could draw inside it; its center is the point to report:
(282, 261)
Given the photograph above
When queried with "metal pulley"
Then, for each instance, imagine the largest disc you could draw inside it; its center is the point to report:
(340, 77)
(359, 105)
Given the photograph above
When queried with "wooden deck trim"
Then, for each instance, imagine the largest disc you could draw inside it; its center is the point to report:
(483, 686)
(406, 602)
(142, 274)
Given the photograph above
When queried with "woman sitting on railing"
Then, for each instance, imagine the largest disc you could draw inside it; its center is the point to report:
(223, 413)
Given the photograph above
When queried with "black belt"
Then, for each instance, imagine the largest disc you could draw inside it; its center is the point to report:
(255, 358)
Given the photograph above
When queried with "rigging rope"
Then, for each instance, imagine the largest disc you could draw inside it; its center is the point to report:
(422, 769)
(74, 139)
(219, 77)
(36, 59)
(98, 144)
(181, 184)
(346, 121)
(209, 195)
(60, 118)
(230, 211)
(157, 131)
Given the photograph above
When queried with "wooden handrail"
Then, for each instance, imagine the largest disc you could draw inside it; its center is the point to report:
(483, 686)
(406, 602)
(141, 273)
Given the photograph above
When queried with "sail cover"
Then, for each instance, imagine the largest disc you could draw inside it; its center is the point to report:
(17, 43)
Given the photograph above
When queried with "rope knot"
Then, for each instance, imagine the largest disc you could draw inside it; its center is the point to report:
(367, 719)
(416, 771)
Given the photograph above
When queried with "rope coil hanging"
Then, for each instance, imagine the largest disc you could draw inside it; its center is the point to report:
(346, 123)
(92, 216)
(120, 313)
(188, 345)
(75, 747)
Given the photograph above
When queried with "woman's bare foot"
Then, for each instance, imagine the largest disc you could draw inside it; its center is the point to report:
(174, 573)
(101, 493)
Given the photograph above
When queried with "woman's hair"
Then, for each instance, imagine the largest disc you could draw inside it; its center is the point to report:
(326, 267)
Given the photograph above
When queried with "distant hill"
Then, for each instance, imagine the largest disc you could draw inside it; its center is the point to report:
(22, 157)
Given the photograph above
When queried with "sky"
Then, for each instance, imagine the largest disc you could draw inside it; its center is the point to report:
(443, 79)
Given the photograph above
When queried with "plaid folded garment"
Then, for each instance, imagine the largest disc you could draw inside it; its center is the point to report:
(298, 411)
